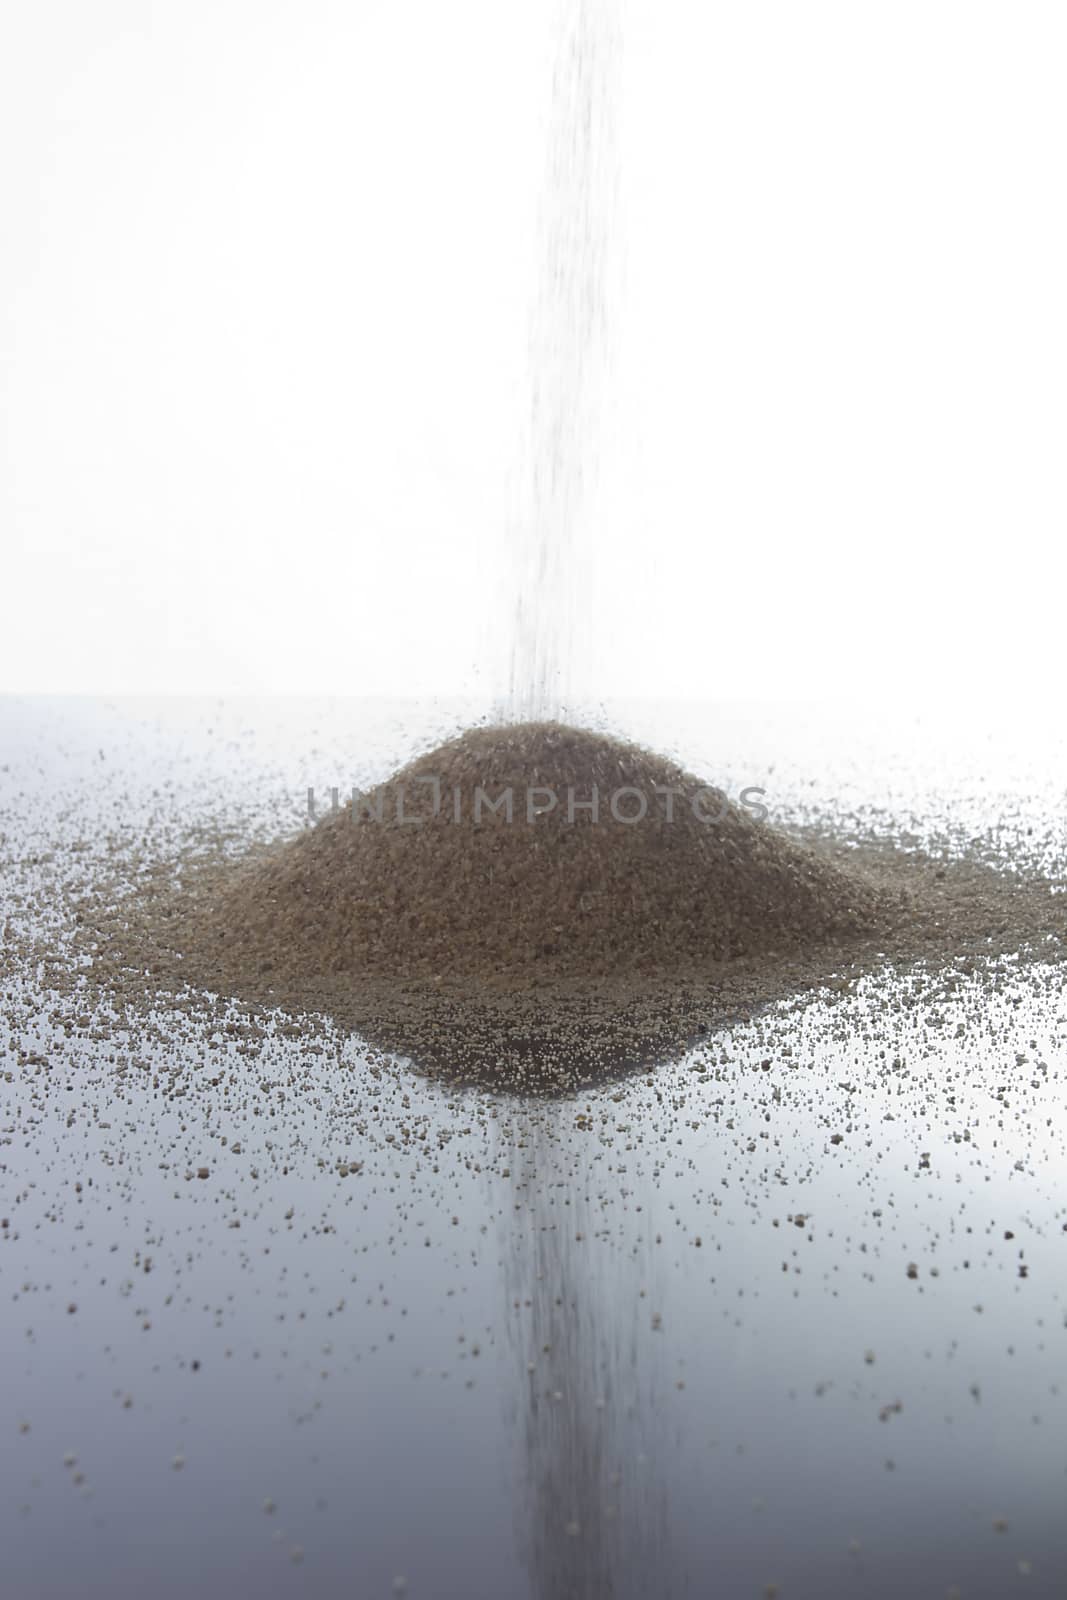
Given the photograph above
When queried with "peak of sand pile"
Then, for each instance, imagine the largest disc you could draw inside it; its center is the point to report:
(536, 849)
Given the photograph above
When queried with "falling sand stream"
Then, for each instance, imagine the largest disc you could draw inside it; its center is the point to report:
(546, 605)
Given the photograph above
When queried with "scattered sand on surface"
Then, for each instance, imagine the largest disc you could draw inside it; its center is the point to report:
(537, 954)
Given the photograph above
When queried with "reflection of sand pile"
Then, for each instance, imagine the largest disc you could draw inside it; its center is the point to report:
(476, 913)
(594, 1517)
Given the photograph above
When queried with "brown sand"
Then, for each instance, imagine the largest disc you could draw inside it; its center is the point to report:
(425, 896)
(539, 953)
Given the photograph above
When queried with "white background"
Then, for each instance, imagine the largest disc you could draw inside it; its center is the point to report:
(266, 272)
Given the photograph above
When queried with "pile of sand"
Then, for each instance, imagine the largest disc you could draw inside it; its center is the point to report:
(539, 948)
(554, 889)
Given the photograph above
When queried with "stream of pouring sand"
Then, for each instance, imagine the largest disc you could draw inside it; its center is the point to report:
(787, 1313)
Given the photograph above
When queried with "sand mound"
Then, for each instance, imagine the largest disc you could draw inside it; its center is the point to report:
(536, 850)
(535, 944)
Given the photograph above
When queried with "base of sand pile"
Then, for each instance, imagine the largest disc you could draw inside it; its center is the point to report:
(539, 943)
